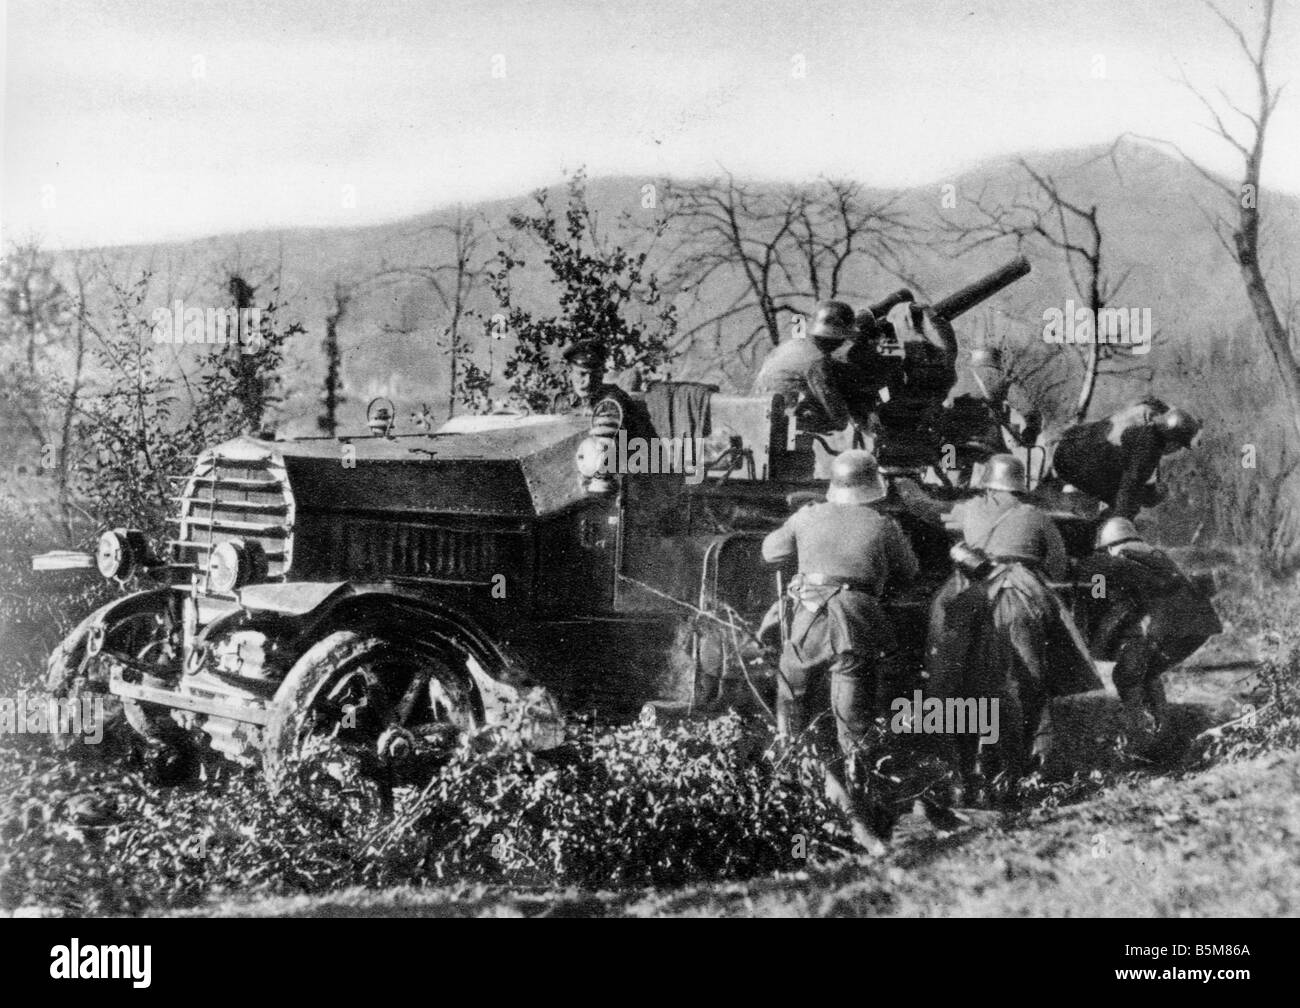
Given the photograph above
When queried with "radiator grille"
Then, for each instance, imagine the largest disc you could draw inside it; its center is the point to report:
(239, 494)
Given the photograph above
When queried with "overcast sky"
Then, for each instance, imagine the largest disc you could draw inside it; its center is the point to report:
(143, 120)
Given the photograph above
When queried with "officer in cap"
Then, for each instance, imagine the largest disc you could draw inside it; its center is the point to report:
(1151, 618)
(1117, 460)
(840, 646)
(588, 389)
(800, 370)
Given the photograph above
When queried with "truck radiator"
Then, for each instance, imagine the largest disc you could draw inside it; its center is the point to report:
(241, 494)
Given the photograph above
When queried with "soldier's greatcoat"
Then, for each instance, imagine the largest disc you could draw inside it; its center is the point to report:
(1116, 460)
(802, 374)
(1006, 636)
(840, 638)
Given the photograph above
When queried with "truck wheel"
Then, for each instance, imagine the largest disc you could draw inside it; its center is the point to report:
(392, 706)
(145, 639)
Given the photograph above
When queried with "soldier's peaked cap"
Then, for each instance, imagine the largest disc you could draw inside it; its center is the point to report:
(586, 352)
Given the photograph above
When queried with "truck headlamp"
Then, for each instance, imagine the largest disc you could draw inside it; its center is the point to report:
(593, 456)
(121, 551)
(227, 567)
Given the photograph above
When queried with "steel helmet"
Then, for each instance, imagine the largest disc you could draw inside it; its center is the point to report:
(1179, 426)
(1003, 472)
(866, 324)
(1116, 530)
(855, 479)
(833, 321)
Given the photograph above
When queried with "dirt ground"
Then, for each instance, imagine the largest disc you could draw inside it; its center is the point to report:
(1224, 841)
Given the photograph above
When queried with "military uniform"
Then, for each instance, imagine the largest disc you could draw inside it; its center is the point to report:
(918, 385)
(1151, 619)
(589, 356)
(987, 416)
(803, 373)
(1005, 635)
(859, 371)
(800, 372)
(840, 646)
(1117, 460)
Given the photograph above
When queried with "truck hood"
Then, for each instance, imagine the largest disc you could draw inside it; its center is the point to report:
(523, 469)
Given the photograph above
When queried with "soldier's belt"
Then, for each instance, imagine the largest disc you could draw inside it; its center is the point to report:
(1015, 558)
(835, 581)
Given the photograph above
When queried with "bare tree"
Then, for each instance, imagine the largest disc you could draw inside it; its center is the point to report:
(1242, 241)
(1047, 216)
(451, 281)
(762, 253)
(342, 295)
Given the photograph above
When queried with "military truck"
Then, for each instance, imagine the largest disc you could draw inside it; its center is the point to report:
(393, 590)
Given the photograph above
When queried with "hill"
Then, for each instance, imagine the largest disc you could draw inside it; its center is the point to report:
(1149, 205)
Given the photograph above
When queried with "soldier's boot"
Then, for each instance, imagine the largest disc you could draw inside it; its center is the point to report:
(1040, 751)
(863, 824)
(1157, 701)
(1012, 751)
(1130, 677)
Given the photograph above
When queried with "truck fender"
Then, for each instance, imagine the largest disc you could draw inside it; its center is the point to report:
(69, 659)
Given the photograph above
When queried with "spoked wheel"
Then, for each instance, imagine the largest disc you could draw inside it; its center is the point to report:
(376, 709)
(144, 638)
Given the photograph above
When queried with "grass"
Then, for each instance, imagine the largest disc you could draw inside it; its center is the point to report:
(690, 820)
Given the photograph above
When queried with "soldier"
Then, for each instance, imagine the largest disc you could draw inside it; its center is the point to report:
(981, 422)
(1117, 460)
(860, 370)
(994, 624)
(801, 371)
(587, 388)
(1153, 618)
(841, 644)
(909, 412)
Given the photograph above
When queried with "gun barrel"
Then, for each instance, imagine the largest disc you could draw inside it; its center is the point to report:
(885, 305)
(982, 289)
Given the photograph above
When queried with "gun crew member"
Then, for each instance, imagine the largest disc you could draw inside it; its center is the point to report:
(801, 371)
(1117, 460)
(910, 410)
(1152, 618)
(997, 629)
(980, 421)
(841, 644)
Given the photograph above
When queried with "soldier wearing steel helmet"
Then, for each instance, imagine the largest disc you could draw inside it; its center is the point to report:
(987, 417)
(841, 643)
(801, 371)
(996, 628)
(1117, 460)
(1150, 618)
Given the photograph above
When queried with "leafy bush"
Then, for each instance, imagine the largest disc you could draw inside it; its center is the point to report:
(605, 292)
(1273, 724)
(634, 805)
